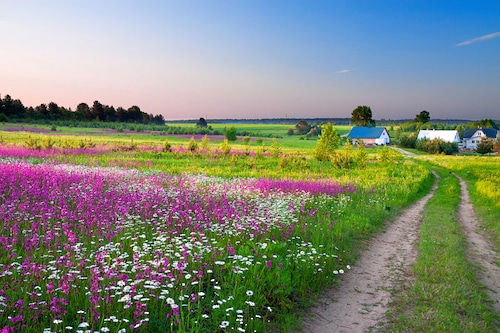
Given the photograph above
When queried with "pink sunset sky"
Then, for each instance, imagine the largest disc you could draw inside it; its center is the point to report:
(255, 59)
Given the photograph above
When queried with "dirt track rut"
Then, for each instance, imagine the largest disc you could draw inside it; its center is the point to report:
(360, 301)
(480, 250)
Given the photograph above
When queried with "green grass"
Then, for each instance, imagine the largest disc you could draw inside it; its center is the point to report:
(445, 296)
(259, 134)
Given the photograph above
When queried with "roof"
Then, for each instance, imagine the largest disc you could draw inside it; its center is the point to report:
(447, 136)
(489, 132)
(366, 132)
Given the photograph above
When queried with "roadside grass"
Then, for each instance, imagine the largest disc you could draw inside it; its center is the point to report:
(445, 295)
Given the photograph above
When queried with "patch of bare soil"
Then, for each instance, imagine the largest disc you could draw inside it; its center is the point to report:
(361, 300)
(480, 250)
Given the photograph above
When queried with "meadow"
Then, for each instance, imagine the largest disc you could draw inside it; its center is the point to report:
(112, 232)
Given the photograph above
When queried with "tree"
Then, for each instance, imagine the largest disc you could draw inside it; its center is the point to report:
(83, 111)
(328, 141)
(97, 111)
(302, 127)
(362, 116)
(485, 123)
(54, 111)
(134, 114)
(423, 117)
(230, 133)
(202, 123)
(485, 146)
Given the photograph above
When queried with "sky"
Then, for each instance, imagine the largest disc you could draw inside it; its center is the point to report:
(256, 58)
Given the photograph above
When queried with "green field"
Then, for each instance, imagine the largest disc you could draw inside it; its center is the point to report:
(250, 270)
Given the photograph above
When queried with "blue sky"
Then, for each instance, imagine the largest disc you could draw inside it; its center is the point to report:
(256, 59)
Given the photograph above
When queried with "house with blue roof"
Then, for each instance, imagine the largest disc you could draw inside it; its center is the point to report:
(370, 135)
(473, 136)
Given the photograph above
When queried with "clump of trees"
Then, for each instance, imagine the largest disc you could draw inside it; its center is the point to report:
(303, 128)
(437, 146)
(14, 110)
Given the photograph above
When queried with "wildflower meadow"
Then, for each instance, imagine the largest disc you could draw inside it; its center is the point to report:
(108, 249)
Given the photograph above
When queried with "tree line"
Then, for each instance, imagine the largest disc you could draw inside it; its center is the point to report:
(14, 110)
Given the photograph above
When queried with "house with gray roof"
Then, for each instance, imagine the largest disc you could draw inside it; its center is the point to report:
(473, 136)
(370, 135)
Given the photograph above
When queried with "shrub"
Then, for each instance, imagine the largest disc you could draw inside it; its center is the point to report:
(230, 133)
(408, 140)
(225, 147)
(167, 147)
(327, 143)
(48, 142)
(294, 161)
(343, 159)
(205, 143)
(485, 146)
(388, 155)
(192, 145)
(437, 146)
(32, 143)
(361, 155)
(275, 148)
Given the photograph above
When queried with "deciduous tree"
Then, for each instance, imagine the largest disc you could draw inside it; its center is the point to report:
(423, 117)
(362, 116)
(328, 141)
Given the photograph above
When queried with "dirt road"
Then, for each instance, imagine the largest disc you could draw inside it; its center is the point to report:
(480, 250)
(360, 302)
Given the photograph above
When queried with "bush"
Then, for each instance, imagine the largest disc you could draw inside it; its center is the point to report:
(230, 133)
(328, 141)
(167, 147)
(205, 143)
(361, 155)
(192, 145)
(485, 146)
(437, 146)
(225, 147)
(275, 148)
(408, 140)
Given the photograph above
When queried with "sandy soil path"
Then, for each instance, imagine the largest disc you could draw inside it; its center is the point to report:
(361, 300)
(480, 250)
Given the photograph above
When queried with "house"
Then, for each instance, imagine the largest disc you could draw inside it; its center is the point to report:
(446, 136)
(472, 136)
(370, 135)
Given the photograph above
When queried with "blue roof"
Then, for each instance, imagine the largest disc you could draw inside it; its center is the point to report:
(489, 132)
(366, 132)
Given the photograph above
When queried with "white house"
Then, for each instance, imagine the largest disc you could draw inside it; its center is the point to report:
(472, 136)
(446, 136)
(370, 135)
